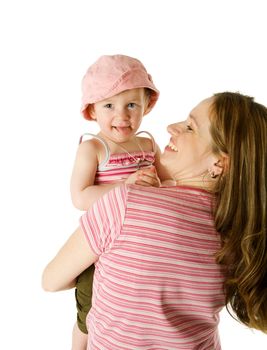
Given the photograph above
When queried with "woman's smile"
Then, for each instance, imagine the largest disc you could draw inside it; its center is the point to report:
(171, 147)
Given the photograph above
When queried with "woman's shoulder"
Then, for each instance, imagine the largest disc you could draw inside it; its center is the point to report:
(183, 194)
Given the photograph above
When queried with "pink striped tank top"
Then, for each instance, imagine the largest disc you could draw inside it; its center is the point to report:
(118, 166)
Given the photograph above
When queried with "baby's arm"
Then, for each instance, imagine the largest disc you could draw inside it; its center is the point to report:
(83, 191)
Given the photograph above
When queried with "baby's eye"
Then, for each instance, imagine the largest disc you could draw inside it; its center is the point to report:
(108, 105)
(131, 105)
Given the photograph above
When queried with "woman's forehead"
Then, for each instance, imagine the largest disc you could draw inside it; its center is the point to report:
(201, 112)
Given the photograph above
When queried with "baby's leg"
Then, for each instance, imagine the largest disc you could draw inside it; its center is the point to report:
(83, 295)
(79, 339)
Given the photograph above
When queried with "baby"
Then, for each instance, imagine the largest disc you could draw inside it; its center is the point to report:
(117, 93)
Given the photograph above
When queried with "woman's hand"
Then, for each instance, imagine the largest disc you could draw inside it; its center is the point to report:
(145, 177)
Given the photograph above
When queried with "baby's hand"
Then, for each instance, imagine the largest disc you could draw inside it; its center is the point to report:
(145, 177)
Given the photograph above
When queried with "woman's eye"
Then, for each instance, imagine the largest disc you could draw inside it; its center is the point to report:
(188, 127)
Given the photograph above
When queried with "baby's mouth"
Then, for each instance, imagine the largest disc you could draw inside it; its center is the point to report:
(122, 129)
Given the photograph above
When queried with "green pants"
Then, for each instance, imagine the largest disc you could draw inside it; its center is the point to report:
(83, 295)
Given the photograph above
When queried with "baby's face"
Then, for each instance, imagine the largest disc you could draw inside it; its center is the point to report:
(120, 116)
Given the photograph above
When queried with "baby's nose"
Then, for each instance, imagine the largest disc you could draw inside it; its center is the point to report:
(122, 123)
(122, 116)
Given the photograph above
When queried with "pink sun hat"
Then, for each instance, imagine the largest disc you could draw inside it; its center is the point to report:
(110, 75)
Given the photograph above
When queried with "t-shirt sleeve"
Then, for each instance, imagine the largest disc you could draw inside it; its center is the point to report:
(102, 223)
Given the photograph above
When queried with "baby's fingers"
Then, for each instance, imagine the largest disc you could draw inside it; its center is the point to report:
(148, 179)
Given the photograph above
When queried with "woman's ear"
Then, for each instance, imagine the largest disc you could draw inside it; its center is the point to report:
(220, 166)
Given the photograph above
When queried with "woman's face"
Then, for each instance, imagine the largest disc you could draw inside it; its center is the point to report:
(189, 152)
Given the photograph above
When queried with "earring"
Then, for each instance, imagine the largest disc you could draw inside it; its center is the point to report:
(215, 170)
(212, 174)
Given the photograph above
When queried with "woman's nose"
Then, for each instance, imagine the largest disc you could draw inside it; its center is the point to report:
(174, 129)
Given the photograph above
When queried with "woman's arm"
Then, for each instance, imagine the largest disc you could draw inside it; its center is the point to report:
(73, 258)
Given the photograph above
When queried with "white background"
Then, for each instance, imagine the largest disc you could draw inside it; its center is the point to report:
(191, 48)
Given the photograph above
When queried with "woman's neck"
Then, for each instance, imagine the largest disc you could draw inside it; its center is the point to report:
(203, 181)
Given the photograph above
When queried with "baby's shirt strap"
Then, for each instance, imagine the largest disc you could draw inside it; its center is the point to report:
(107, 150)
(150, 136)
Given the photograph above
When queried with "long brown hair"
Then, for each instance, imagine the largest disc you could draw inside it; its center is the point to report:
(239, 130)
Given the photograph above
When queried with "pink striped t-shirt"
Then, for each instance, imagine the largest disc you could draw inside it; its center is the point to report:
(156, 284)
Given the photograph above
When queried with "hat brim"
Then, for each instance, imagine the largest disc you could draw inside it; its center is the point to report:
(126, 82)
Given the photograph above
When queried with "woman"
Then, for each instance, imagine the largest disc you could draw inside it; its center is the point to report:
(168, 259)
